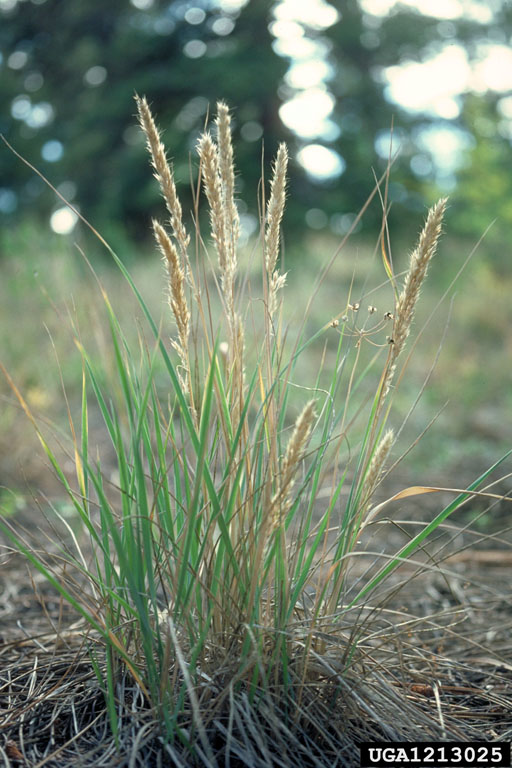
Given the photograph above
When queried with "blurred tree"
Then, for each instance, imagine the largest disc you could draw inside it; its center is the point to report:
(72, 70)
(363, 47)
(483, 194)
(371, 127)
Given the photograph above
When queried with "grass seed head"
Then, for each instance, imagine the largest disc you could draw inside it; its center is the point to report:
(275, 210)
(294, 451)
(177, 297)
(227, 176)
(420, 259)
(404, 311)
(215, 194)
(376, 467)
(164, 175)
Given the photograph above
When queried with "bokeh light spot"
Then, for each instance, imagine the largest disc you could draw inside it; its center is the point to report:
(223, 26)
(316, 14)
(20, 107)
(251, 131)
(67, 189)
(442, 9)
(432, 86)
(33, 82)
(505, 107)
(195, 15)
(8, 200)
(307, 112)
(447, 144)
(248, 226)
(8, 5)
(494, 70)
(321, 162)
(308, 73)
(17, 60)
(63, 221)
(316, 218)
(40, 115)
(421, 165)
(52, 151)
(341, 223)
(95, 76)
(194, 49)
(142, 5)
(232, 5)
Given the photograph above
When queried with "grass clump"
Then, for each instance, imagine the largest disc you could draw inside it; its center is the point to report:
(216, 567)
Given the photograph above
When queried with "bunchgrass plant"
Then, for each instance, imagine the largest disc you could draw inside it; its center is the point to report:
(216, 561)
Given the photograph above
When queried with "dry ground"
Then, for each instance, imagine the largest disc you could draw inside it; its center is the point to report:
(434, 663)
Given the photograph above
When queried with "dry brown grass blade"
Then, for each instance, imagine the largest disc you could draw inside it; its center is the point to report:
(420, 490)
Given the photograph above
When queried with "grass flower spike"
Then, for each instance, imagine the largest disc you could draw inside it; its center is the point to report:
(275, 210)
(219, 217)
(406, 303)
(164, 176)
(376, 468)
(301, 432)
(227, 177)
(177, 296)
(420, 259)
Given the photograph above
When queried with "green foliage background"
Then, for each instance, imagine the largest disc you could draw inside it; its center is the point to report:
(143, 49)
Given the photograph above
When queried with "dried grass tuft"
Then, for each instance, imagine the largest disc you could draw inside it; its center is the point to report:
(209, 508)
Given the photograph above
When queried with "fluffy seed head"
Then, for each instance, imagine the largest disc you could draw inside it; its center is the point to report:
(376, 467)
(177, 297)
(294, 450)
(277, 282)
(164, 175)
(275, 208)
(404, 313)
(210, 168)
(227, 177)
(420, 259)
